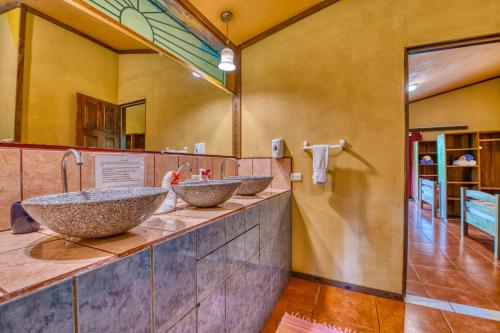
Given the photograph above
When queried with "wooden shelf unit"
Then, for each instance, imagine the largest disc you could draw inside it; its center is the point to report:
(489, 159)
(428, 171)
(484, 176)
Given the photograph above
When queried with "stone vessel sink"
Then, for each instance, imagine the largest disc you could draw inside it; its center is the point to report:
(95, 213)
(208, 193)
(251, 185)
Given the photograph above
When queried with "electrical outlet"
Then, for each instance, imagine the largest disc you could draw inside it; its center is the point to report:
(296, 177)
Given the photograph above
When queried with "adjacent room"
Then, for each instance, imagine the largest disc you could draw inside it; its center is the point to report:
(196, 166)
(454, 176)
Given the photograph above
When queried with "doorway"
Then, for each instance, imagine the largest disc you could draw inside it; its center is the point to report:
(452, 147)
(98, 123)
(101, 124)
(133, 125)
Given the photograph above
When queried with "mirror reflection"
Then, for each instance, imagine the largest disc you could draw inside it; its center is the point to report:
(78, 91)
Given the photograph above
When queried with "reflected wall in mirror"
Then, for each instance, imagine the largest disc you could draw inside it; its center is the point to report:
(78, 91)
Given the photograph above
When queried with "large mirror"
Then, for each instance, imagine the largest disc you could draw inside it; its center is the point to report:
(101, 88)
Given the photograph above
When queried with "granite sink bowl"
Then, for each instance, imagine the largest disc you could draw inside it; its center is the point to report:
(251, 185)
(207, 193)
(95, 213)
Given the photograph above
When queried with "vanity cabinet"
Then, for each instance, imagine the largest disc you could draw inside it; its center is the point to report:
(223, 277)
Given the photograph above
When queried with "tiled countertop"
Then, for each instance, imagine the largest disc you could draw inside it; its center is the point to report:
(31, 261)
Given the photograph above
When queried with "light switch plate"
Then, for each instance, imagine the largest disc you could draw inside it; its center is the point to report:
(296, 177)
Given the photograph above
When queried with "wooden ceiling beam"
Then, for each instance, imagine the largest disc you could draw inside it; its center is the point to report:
(186, 12)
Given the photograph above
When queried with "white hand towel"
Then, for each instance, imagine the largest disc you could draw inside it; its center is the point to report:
(320, 163)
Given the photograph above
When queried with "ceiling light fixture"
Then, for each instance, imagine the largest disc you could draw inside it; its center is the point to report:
(227, 54)
(412, 87)
(196, 74)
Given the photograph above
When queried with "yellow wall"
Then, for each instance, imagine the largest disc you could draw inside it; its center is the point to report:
(9, 35)
(136, 119)
(180, 110)
(476, 106)
(59, 64)
(340, 73)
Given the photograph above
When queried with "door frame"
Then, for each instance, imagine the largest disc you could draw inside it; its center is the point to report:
(418, 49)
(122, 139)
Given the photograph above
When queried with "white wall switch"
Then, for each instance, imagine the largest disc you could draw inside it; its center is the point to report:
(296, 177)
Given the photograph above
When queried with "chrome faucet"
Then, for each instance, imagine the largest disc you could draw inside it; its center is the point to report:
(223, 166)
(183, 166)
(64, 165)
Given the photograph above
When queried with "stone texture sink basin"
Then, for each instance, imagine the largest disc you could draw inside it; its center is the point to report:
(95, 213)
(208, 193)
(251, 185)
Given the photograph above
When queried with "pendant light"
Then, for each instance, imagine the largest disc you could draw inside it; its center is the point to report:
(227, 54)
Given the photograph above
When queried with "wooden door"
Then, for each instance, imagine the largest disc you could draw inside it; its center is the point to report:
(98, 123)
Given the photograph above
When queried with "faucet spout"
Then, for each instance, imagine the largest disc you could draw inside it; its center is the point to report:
(64, 166)
(183, 166)
(223, 166)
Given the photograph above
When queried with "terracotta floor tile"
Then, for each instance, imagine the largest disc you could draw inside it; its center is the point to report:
(459, 296)
(410, 273)
(436, 260)
(397, 317)
(443, 278)
(418, 238)
(346, 308)
(495, 300)
(391, 315)
(415, 288)
(422, 247)
(349, 326)
(485, 284)
(466, 324)
(301, 294)
(477, 264)
(465, 265)
(278, 312)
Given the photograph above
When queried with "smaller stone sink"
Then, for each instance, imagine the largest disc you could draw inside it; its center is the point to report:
(206, 193)
(251, 185)
(95, 213)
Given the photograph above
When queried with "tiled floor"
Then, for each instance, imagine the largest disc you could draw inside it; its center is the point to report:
(441, 266)
(364, 313)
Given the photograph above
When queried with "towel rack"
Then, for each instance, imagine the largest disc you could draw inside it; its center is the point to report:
(341, 145)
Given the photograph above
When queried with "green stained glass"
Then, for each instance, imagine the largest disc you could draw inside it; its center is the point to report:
(155, 23)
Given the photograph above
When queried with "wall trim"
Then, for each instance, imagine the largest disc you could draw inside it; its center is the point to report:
(349, 286)
(21, 50)
(292, 20)
(9, 6)
(236, 108)
(453, 44)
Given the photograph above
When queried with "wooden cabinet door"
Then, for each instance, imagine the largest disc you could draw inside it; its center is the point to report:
(98, 123)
